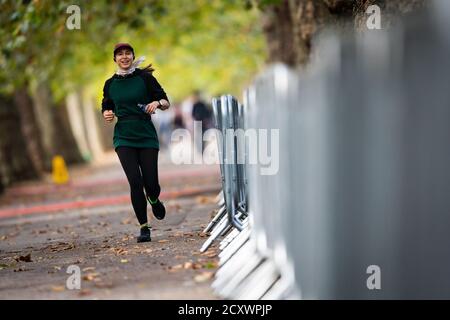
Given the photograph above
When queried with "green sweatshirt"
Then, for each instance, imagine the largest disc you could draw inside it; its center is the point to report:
(122, 94)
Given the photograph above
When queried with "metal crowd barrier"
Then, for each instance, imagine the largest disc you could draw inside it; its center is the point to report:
(232, 215)
(359, 206)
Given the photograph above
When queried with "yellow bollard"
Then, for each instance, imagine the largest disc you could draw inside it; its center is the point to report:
(60, 173)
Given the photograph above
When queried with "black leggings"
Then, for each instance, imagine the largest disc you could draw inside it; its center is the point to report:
(141, 168)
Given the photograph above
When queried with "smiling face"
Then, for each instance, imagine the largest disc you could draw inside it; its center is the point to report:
(124, 58)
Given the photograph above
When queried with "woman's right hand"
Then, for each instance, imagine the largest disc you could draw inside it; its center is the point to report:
(108, 115)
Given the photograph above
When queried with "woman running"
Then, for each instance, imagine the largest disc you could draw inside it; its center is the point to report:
(132, 95)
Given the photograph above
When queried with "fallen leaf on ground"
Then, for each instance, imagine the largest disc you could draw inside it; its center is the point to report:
(205, 199)
(58, 288)
(88, 269)
(210, 253)
(187, 265)
(204, 276)
(119, 251)
(176, 267)
(91, 276)
(103, 285)
(163, 241)
(26, 258)
(196, 266)
(61, 246)
(210, 265)
(126, 221)
(84, 292)
(124, 261)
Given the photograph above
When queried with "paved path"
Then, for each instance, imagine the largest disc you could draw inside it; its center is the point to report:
(90, 224)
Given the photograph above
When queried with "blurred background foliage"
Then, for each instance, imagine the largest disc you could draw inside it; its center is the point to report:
(213, 45)
(51, 77)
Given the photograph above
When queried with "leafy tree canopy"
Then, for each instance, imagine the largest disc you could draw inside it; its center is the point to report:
(214, 45)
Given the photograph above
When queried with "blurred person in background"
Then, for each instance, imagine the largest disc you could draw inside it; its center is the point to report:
(177, 121)
(201, 112)
(132, 95)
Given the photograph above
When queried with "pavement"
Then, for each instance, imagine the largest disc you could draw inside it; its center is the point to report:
(46, 230)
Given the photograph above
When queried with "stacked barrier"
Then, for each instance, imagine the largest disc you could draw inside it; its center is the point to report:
(362, 190)
(232, 215)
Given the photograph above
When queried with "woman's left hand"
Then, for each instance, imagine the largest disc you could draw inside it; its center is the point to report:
(151, 107)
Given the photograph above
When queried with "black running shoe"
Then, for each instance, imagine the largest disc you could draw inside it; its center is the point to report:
(145, 235)
(159, 211)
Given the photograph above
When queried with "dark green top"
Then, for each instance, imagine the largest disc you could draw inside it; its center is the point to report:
(122, 94)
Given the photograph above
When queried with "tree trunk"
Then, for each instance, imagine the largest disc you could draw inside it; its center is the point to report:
(30, 128)
(308, 18)
(14, 156)
(291, 25)
(277, 26)
(76, 119)
(65, 143)
(57, 136)
(91, 128)
(46, 121)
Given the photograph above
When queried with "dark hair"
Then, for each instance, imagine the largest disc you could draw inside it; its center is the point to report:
(148, 69)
